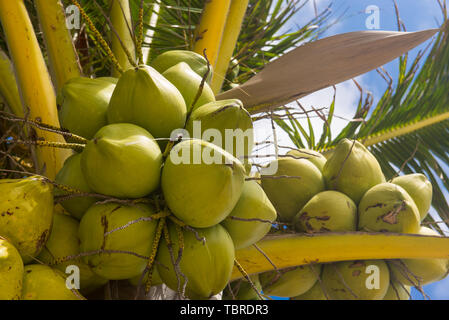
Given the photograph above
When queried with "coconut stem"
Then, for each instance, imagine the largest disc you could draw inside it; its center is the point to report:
(150, 266)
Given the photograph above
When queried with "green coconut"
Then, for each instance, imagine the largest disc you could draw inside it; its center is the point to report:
(188, 83)
(11, 271)
(315, 293)
(145, 98)
(315, 157)
(352, 169)
(123, 160)
(41, 282)
(72, 176)
(419, 188)
(419, 272)
(243, 290)
(299, 181)
(64, 242)
(387, 207)
(356, 280)
(253, 204)
(100, 230)
(225, 123)
(201, 183)
(327, 211)
(207, 265)
(26, 214)
(397, 291)
(82, 104)
(171, 58)
(290, 282)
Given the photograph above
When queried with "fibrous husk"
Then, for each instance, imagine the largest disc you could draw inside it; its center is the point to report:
(356, 280)
(145, 98)
(419, 272)
(72, 176)
(207, 265)
(315, 293)
(253, 204)
(397, 291)
(42, 282)
(11, 271)
(171, 58)
(388, 207)
(26, 214)
(99, 231)
(188, 83)
(299, 180)
(313, 156)
(226, 124)
(290, 282)
(64, 242)
(123, 160)
(242, 289)
(201, 183)
(352, 169)
(419, 188)
(327, 211)
(82, 104)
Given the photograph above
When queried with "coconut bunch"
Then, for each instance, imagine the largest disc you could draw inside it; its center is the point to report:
(345, 191)
(152, 195)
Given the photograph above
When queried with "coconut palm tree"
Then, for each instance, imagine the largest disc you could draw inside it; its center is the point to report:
(256, 58)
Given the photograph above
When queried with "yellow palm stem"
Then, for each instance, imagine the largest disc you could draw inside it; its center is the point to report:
(33, 79)
(231, 34)
(8, 86)
(209, 33)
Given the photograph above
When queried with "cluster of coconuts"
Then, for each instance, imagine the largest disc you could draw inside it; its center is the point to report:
(128, 123)
(347, 191)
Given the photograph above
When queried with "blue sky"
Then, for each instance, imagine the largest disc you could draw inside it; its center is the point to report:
(416, 15)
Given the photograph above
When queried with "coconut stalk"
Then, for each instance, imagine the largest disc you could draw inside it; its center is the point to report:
(295, 250)
(120, 15)
(34, 83)
(210, 31)
(8, 86)
(62, 56)
(152, 22)
(231, 34)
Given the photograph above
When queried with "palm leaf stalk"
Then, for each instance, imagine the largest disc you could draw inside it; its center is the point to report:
(8, 85)
(33, 80)
(62, 57)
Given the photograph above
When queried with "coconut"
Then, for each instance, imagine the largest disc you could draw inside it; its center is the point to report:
(397, 291)
(207, 265)
(72, 176)
(26, 214)
(356, 280)
(155, 279)
(171, 58)
(64, 242)
(242, 289)
(82, 104)
(253, 204)
(419, 272)
(290, 282)
(294, 184)
(388, 207)
(145, 98)
(188, 83)
(41, 282)
(11, 271)
(419, 188)
(352, 169)
(226, 124)
(201, 183)
(123, 160)
(99, 231)
(315, 157)
(316, 293)
(327, 211)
